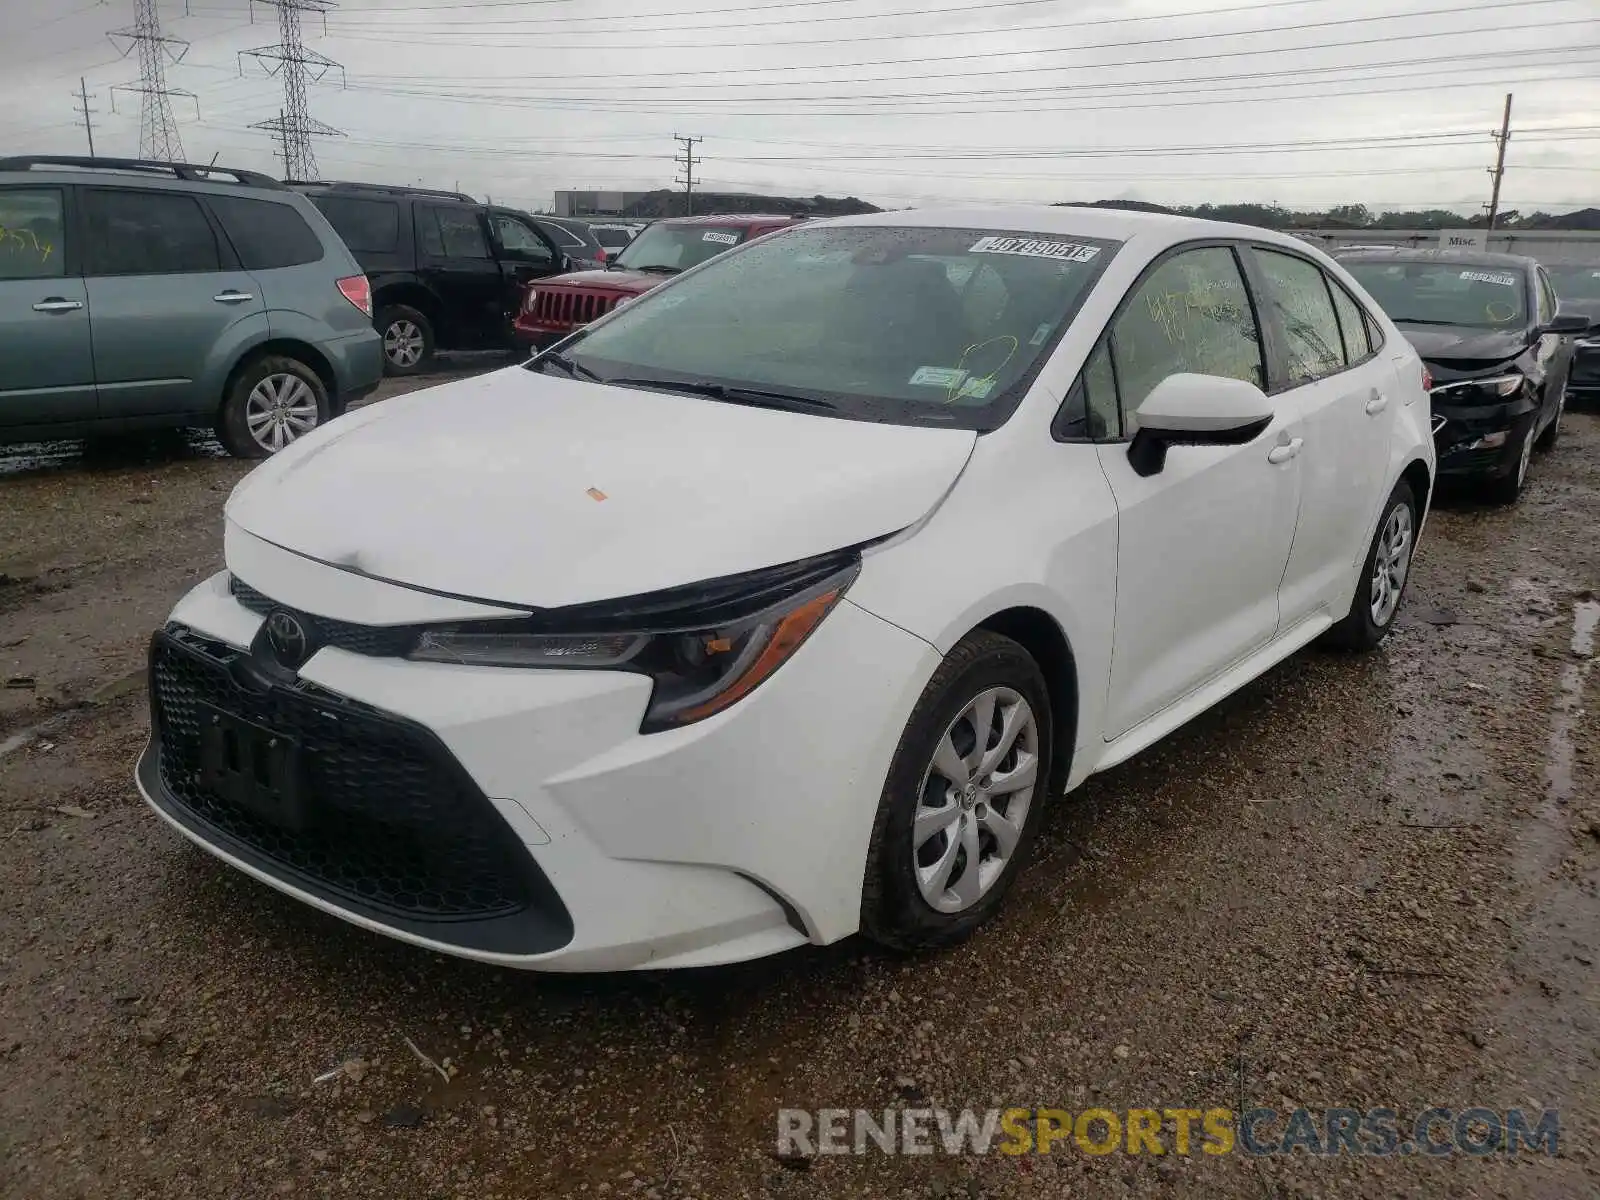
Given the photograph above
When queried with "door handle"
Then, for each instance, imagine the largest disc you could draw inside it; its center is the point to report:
(1377, 404)
(232, 297)
(1284, 451)
(57, 304)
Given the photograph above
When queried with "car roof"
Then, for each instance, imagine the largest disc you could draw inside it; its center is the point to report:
(729, 219)
(1466, 258)
(1112, 224)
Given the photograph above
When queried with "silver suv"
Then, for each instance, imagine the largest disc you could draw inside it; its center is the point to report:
(136, 295)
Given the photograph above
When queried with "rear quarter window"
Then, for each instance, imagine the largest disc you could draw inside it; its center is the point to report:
(266, 234)
(367, 226)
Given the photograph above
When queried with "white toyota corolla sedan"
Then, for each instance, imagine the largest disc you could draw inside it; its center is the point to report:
(777, 604)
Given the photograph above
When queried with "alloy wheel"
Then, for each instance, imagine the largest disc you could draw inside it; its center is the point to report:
(1390, 564)
(974, 800)
(403, 343)
(279, 410)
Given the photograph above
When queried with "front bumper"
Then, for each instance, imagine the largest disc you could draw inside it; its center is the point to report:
(1480, 441)
(602, 849)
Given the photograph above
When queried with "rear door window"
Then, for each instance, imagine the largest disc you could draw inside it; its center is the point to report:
(453, 232)
(31, 225)
(266, 234)
(367, 226)
(147, 233)
(1298, 291)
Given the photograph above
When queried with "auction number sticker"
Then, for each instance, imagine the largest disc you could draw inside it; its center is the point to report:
(1486, 277)
(1036, 248)
(945, 377)
(722, 239)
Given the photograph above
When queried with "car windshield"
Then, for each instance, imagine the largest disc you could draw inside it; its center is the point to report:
(1577, 287)
(1441, 292)
(669, 249)
(916, 326)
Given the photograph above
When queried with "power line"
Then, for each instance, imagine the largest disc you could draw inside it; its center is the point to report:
(1178, 86)
(158, 128)
(439, 37)
(87, 113)
(809, 18)
(294, 125)
(1188, 100)
(688, 162)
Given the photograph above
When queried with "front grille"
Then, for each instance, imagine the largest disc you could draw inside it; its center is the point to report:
(393, 823)
(569, 306)
(378, 641)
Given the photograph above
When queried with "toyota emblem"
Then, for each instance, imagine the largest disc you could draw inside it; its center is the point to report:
(288, 639)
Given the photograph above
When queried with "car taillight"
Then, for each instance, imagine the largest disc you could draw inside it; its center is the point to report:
(1427, 378)
(358, 291)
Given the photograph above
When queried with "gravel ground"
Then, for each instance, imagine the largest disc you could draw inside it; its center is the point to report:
(1363, 882)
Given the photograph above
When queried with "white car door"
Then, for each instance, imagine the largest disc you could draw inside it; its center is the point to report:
(1346, 399)
(1201, 543)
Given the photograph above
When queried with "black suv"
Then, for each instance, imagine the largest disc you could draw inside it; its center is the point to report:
(447, 272)
(1499, 348)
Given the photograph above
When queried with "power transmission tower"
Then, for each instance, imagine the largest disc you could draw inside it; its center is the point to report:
(688, 162)
(1499, 170)
(158, 128)
(83, 110)
(294, 125)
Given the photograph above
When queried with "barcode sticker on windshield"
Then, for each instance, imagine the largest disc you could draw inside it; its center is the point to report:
(1486, 277)
(1035, 248)
(722, 239)
(945, 377)
(1040, 334)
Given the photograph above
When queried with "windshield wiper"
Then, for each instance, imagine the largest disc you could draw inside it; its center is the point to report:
(655, 269)
(1420, 321)
(754, 397)
(557, 359)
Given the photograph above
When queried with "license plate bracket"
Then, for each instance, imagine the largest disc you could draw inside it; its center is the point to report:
(252, 766)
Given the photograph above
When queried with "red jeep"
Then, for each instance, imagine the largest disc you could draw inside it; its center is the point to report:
(553, 308)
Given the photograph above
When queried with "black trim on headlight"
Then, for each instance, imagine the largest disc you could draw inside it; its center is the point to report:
(704, 645)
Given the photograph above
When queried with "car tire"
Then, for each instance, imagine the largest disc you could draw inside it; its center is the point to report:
(1508, 488)
(407, 335)
(1378, 595)
(272, 402)
(901, 870)
(1552, 432)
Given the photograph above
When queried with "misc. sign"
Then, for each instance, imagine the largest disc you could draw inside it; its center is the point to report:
(1463, 239)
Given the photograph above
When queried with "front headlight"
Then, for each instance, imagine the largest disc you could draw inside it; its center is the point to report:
(1496, 385)
(704, 647)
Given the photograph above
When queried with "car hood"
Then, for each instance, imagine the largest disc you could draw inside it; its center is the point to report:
(1459, 347)
(534, 490)
(616, 280)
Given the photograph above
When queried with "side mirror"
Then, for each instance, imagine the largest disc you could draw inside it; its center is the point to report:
(1570, 322)
(1196, 410)
(564, 264)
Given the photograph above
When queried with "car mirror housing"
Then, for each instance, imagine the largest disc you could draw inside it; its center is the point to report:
(1196, 410)
(1572, 323)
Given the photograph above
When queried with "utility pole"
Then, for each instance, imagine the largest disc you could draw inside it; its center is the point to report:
(1499, 170)
(689, 162)
(87, 113)
(158, 128)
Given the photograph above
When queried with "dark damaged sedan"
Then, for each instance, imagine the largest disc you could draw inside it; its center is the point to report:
(1499, 350)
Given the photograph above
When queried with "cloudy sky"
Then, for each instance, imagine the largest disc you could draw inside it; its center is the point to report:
(1307, 103)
